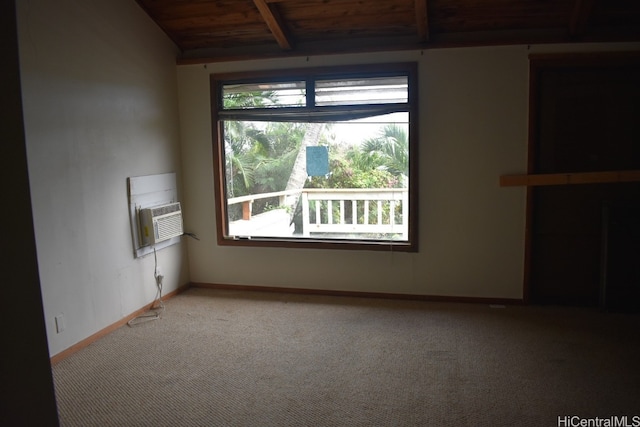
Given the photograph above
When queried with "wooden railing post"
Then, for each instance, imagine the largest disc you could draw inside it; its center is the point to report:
(392, 212)
(405, 215)
(366, 212)
(246, 210)
(354, 212)
(305, 215)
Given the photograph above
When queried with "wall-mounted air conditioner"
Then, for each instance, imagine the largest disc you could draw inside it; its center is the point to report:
(160, 223)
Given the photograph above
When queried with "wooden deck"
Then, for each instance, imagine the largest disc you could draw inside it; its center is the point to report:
(338, 213)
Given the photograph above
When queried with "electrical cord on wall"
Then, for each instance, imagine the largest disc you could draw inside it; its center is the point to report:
(157, 307)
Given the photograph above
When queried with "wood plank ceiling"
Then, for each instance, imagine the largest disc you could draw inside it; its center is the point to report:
(222, 30)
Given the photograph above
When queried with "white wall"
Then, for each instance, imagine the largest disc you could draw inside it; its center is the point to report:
(473, 128)
(100, 105)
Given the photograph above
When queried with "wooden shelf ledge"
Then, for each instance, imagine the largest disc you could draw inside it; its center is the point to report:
(531, 180)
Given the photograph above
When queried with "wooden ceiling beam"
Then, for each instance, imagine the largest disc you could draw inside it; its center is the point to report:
(422, 20)
(275, 23)
(580, 17)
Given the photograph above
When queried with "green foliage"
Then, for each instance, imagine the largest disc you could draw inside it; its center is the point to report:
(380, 162)
(248, 99)
(390, 149)
(260, 157)
(346, 174)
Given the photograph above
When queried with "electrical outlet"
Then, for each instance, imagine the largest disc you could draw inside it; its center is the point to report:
(59, 323)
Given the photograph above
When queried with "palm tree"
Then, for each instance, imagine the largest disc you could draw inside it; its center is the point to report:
(298, 175)
(239, 138)
(389, 150)
(259, 156)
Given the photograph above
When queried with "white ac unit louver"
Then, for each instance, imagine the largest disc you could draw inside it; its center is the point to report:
(160, 223)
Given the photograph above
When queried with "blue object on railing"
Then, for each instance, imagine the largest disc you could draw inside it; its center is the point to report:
(317, 161)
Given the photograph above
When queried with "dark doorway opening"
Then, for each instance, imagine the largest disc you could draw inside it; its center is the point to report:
(584, 244)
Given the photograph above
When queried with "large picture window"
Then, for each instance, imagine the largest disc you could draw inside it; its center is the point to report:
(317, 157)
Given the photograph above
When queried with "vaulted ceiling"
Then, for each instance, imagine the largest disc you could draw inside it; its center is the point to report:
(221, 30)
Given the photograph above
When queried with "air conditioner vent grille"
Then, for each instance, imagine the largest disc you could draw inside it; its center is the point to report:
(166, 209)
(168, 227)
(160, 223)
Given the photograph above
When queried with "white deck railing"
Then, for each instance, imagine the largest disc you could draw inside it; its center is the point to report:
(372, 211)
(338, 211)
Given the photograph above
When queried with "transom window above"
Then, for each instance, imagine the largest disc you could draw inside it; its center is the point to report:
(317, 157)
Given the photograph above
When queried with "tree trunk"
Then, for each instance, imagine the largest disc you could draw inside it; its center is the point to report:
(299, 172)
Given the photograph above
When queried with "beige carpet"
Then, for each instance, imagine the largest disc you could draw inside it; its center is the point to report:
(226, 358)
